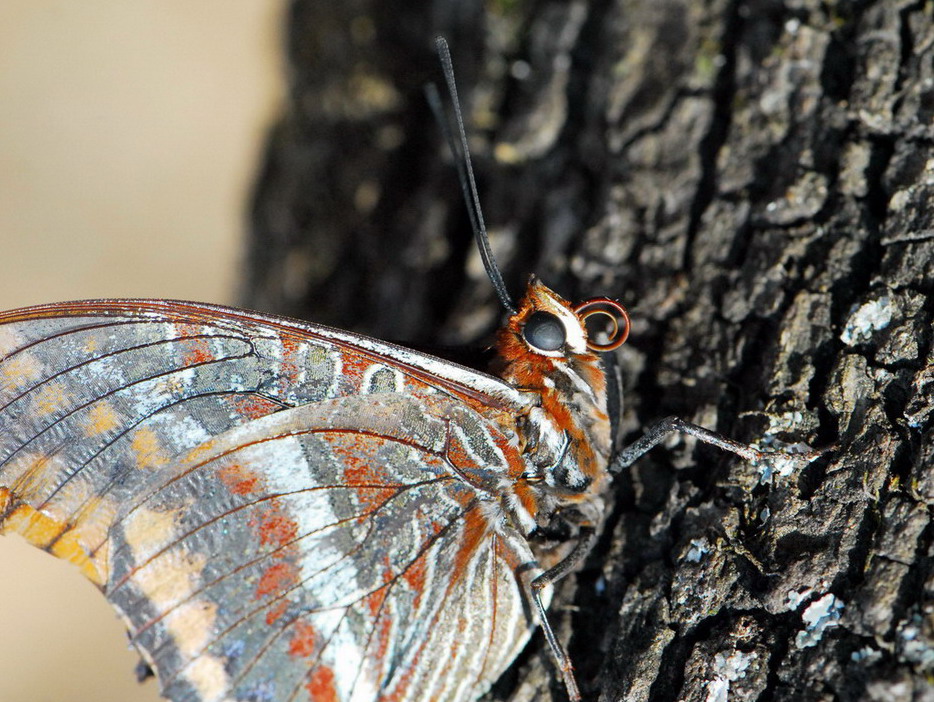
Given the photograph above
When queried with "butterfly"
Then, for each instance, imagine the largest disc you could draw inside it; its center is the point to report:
(283, 511)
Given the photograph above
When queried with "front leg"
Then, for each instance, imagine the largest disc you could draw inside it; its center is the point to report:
(657, 432)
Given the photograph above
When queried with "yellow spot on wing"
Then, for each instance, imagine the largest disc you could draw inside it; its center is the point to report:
(38, 529)
(192, 625)
(200, 452)
(147, 531)
(92, 522)
(169, 581)
(170, 578)
(21, 370)
(42, 530)
(148, 449)
(208, 676)
(101, 419)
(50, 397)
(69, 547)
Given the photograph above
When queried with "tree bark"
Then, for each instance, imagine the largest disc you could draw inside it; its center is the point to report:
(753, 180)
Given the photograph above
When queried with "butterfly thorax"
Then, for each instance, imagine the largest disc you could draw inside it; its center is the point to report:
(565, 436)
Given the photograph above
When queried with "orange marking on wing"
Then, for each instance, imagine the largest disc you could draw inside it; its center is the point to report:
(277, 528)
(290, 344)
(353, 368)
(526, 497)
(456, 453)
(42, 530)
(275, 614)
(38, 529)
(277, 577)
(370, 498)
(148, 448)
(21, 369)
(101, 419)
(374, 601)
(196, 454)
(193, 350)
(253, 407)
(50, 397)
(289, 363)
(476, 529)
(198, 352)
(359, 472)
(239, 479)
(304, 638)
(321, 686)
(101, 559)
(383, 638)
(91, 345)
(415, 577)
(69, 548)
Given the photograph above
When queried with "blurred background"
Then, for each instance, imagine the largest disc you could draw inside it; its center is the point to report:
(130, 134)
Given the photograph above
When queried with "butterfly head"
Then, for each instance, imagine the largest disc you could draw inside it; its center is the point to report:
(545, 349)
(546, 326)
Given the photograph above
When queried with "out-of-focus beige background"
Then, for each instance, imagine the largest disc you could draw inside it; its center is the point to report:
(129, 134)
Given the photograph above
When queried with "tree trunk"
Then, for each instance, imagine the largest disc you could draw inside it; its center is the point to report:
(753, 180)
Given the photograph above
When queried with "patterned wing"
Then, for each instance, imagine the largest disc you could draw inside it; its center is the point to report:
(278, 511)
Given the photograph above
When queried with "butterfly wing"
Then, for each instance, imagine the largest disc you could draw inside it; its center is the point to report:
(278, 511)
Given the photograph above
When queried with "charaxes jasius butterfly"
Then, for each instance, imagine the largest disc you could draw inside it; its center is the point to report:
(284, 511)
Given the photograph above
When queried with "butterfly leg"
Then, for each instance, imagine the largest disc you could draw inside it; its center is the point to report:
(587, 537)
(657, 432)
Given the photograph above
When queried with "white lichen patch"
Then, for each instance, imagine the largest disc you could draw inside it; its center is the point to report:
(914, 646)
(866, 320)
(764, 515)
(794, 598)
(781, 459)
(728, 668)
(786, 421)
(699, 548)
(867, 655)
(819, 616)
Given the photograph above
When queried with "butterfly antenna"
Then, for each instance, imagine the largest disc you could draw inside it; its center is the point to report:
(465, 170)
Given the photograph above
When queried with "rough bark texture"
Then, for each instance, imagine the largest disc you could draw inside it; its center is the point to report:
(753, 180)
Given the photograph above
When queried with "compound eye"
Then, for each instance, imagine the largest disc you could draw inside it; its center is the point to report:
(544, 331)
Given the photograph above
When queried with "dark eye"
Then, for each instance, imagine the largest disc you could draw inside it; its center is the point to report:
(544, 332)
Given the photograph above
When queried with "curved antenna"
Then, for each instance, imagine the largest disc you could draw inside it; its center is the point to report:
(465, 171)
